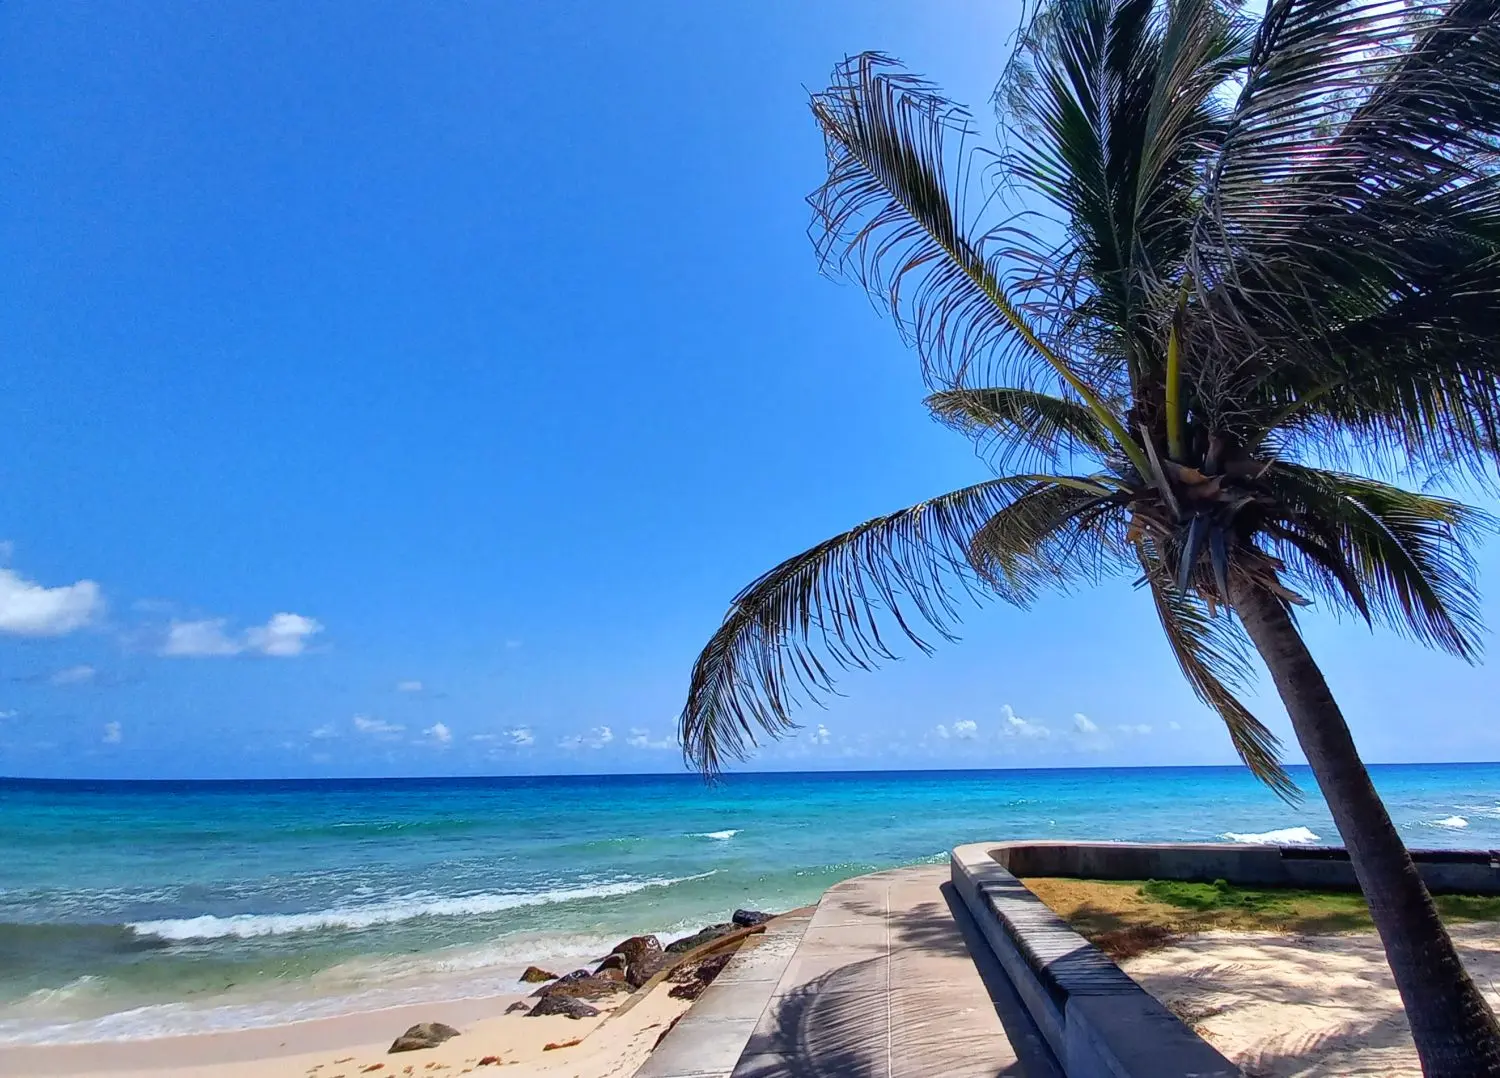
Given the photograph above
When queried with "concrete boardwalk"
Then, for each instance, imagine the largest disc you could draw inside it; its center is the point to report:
(887, 979)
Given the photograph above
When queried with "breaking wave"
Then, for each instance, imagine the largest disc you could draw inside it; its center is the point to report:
(1286, 836)
(355, 918)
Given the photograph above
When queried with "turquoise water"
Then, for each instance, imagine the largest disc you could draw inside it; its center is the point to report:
(137, 909)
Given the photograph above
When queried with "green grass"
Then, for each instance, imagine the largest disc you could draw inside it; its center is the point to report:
(1128, 916)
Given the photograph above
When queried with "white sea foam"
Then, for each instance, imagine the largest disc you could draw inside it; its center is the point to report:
(403, 908)
(1451, 821)
(722, 836)
(1286, 836)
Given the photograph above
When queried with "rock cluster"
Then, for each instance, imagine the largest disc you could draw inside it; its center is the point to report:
(630, 964)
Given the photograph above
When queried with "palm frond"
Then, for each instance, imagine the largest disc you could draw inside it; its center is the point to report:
(1405, 550)
(824, 608)
(1350, 229)
(1021, 428)
(1109, 103)
(1213, 655)
(894, 211)
(1059, 531)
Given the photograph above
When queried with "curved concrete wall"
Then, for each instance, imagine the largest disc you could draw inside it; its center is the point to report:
(1469, 872)
(1098, 1022)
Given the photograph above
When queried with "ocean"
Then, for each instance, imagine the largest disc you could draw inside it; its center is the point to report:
(145, 909)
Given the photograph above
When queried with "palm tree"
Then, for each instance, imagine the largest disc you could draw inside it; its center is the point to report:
(1271, 262)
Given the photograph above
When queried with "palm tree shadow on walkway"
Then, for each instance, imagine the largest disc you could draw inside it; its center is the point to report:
(863, 1021)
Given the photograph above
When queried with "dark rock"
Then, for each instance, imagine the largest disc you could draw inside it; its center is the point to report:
(424, 1035)
(698, 939)
(610, 973)
(536, 975)
(750, 918)
(637, 949)
(517, 1006)
(588, 987)
(690, 990)
(578, 976)
(643, 969)
(614, 961)
(557, 1003)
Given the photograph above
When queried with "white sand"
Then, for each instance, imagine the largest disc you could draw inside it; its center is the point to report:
(1301, 1006)
(611, 1046)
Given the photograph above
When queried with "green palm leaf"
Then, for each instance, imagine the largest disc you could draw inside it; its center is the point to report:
(894, 211)
(1213, 655)
(1405, 552)
(824, 608)
(1021, 428)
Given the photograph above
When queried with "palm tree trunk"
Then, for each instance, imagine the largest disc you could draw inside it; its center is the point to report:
(1455, 1031)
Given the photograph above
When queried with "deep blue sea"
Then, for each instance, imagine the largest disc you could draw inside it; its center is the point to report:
(141, 909)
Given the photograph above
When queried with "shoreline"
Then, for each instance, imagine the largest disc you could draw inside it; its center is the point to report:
(616, 1039)
(614, 1043)
(255, 1044)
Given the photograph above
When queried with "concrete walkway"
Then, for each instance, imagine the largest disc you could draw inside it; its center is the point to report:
(889, 978)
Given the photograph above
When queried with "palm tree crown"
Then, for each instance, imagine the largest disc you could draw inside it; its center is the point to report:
(1271, 259)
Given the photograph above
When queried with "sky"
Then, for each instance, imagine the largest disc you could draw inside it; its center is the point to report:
(407, 389)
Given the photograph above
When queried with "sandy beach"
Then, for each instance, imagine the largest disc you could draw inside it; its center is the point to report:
(615, 1043)
(1301, 1006)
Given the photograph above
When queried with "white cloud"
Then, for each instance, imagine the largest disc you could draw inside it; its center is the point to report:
(439, 733)
(196, 639)
(1085, 725)
(377, 727)
(28, 609)
(73, 675)
(1015, 726)
(1174, 726)
(941, 731)
(283, 636)
(8, 714)
(821, 736)
(1136, 728)
(966, 729)
(113, 733)
(408, 686)
(640, 738)
(595, 738)
(324, 732)
(517, 737)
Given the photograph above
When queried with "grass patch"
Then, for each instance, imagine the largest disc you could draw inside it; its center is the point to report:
(1129, 917)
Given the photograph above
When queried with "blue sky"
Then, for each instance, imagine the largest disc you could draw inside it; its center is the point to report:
(407, 390)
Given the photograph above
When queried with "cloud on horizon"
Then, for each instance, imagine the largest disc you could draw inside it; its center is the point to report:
(595, 738)
(378, 728)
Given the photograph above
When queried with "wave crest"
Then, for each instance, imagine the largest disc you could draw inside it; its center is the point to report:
(406, 908)
(1286, 836)
(1455, 822)
(722, 836)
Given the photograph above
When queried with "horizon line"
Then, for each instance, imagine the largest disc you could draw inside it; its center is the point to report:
(727, 775)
